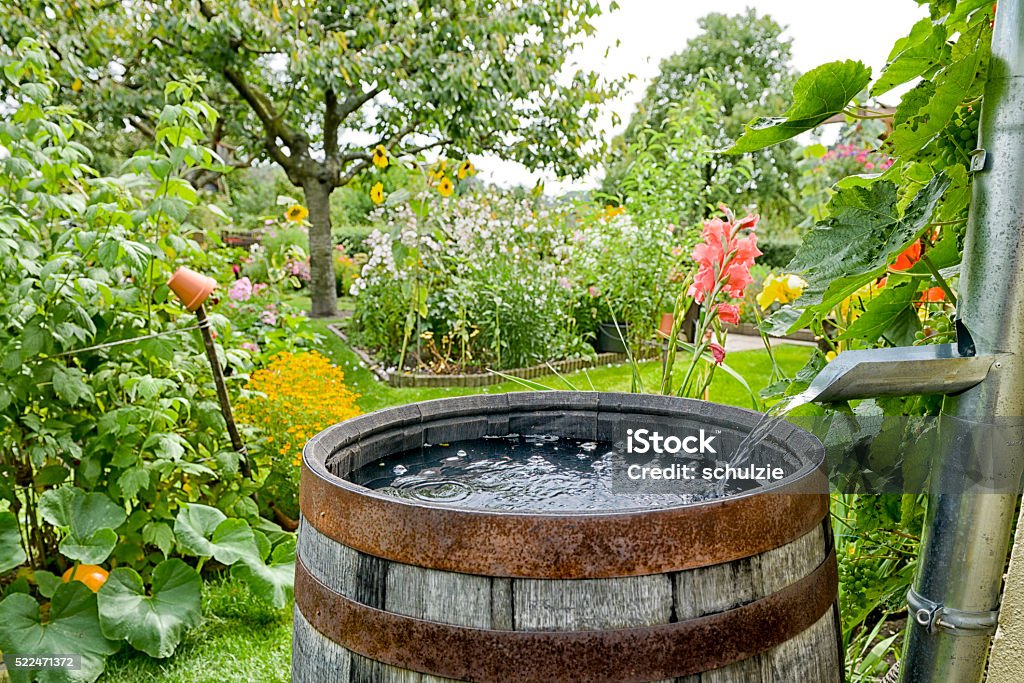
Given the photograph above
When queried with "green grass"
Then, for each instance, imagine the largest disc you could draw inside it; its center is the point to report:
(754, 366)
(242, 640)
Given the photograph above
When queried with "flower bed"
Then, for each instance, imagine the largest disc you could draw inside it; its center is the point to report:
(490, 281)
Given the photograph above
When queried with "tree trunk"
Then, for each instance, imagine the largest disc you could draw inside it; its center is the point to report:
(321, 249)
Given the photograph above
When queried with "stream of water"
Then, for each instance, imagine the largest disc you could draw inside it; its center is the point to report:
(769, 420)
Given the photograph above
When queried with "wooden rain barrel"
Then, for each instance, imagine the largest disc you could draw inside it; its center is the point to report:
(737, 589)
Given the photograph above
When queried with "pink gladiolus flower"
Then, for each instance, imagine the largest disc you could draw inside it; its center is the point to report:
(729, 314)
(717, 353)
(723, 257)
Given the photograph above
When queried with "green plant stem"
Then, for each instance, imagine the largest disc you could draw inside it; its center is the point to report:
(938, 278)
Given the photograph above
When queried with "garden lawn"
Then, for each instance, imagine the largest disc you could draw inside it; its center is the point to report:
(243, 640)
(754, 366)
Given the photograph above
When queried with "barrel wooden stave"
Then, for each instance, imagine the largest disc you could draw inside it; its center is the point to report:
(562, 605)
(633, 597)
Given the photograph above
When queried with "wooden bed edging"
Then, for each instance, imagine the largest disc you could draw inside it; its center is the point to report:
(483, 379)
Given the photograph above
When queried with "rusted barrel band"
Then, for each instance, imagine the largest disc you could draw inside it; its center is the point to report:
(566, 546)
(613, 656)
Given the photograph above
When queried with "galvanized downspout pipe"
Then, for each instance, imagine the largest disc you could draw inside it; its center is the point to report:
(959, 576)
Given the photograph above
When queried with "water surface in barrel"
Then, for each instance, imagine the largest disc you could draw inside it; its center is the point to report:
(529, 473)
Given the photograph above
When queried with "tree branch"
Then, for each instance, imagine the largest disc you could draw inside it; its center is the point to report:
(355, 170)
(356, 101)
(425, 147)
(263, 107)
(363, 158)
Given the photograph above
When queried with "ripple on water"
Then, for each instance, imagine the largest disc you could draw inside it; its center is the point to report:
(523, 473)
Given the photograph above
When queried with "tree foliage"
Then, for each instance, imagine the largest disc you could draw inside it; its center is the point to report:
(742, 63)
(315, 87)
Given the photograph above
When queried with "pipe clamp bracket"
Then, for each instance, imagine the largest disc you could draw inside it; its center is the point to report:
(979, 158)
(934, 617)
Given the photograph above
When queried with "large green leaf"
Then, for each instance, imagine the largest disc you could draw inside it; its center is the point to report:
(153, 623)
(912, 56)
(71, 628)
(83, 513)
(194, 526)
(925, 112)
(864, 232)
(11, 552)
(89, 520)
(819, 95)
(883, 311)
(204, 531)
(273, 582)
(92, 549)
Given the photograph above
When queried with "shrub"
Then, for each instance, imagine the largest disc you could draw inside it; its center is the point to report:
(295, 396)
(778, 254)
(353, 237)
(110, 443)
(491, 280)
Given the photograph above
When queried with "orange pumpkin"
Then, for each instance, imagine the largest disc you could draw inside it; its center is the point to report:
(91, 575)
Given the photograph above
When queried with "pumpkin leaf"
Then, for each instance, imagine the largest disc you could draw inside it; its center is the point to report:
(89, 520)
(155, 622)
(11, 552)
(71, 628)
(273, 582)
(206, 532)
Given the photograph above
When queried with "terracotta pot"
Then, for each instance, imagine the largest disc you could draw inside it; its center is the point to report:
(191, 288)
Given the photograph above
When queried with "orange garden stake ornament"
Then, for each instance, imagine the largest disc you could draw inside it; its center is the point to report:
(193, 289)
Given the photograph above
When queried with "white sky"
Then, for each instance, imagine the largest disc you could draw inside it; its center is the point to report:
(650, 30)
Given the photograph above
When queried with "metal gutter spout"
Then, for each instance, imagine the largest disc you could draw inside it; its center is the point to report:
(901, 371)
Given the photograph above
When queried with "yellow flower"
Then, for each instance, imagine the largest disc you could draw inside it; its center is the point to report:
(377, 192)
(852, 306)
(380, 157)
(296, 213)
(780, 288)
(445, 187)
(611, 212)
(830, 356)
(438, 169)
(466, 169)
(76, 84)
